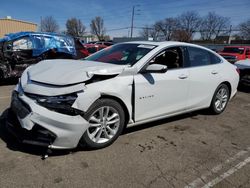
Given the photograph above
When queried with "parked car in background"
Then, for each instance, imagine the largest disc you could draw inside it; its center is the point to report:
(81, 50)
(235, 53)
(19, 50)
(105, 43)
(92, 48)
(244, 67)
(92, 42)
(62, 103)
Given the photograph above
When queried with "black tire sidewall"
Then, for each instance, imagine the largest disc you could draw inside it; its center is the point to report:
(85, 140)
(212, 106)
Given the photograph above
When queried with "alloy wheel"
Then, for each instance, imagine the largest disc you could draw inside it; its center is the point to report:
(104, 124)
(221, 99)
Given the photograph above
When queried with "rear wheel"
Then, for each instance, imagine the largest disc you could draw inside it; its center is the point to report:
(220, 99)
(106, 119)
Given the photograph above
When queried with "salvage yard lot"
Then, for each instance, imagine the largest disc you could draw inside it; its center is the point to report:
(195, 149)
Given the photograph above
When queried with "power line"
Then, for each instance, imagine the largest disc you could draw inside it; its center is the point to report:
(116, 29)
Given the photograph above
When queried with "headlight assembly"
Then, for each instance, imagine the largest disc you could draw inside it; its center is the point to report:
(64, 99)
(61, 104)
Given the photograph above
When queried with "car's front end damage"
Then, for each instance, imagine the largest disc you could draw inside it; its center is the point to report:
(52, 119)
(47, 112)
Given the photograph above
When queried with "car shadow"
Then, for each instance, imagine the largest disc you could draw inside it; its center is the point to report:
(165, 120)
(244, 88)
(13, 144)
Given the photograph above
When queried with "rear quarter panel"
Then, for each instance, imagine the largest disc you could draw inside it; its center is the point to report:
(229, 74)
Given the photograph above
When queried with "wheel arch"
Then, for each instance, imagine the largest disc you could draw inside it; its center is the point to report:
(229, 87)
(117, 99)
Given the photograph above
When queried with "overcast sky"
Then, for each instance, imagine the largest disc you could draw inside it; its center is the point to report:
(117, 13)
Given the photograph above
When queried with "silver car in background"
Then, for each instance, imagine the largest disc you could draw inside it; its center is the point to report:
(60, 104)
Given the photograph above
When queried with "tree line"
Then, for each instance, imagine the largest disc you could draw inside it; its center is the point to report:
(179, 28)
(75, 27)
(184, 26)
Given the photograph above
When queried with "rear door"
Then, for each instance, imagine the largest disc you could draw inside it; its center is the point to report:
(204, 77)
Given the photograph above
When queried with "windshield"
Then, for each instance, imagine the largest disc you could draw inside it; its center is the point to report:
(122, 54)
(234, 50)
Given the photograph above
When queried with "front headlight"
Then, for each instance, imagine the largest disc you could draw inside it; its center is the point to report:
(56, 100)
(62, 104)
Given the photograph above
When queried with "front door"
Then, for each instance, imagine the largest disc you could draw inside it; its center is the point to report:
(159, 94)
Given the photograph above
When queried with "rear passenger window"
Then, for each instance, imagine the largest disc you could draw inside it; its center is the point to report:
(200, 57)
(214, 59)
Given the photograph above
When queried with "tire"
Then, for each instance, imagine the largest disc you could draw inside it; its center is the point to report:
(107, 119)
(220, 99)
(1, 77)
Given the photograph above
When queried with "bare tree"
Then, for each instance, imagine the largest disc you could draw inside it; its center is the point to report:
(97, 27)
(145, 31)
(223, 26)
(181, 35)
(167, 27)
(150, 31)
(213, 25)
(189, 22)
(245, 29)
(49, 24)
(75, 27)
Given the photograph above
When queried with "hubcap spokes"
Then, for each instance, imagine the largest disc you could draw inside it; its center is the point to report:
(221, 99)
(104, 124)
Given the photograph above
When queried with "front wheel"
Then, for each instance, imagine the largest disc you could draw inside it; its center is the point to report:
(220, 99)
(106, 119)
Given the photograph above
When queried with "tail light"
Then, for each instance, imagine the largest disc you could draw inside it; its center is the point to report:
(238, 70)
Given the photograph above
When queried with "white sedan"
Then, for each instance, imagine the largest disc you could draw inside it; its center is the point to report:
(63, 103)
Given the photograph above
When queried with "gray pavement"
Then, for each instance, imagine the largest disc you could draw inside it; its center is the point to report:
(195, 150)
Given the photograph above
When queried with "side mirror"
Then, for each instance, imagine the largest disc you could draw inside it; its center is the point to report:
(156, 68)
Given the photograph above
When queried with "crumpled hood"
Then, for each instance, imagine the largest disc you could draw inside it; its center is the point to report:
(66, 72)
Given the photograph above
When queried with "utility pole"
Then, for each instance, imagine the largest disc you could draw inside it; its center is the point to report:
(132, 20)
(229, 37)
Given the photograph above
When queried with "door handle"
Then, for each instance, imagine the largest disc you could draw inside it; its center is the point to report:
(214, 72)
(183, 76)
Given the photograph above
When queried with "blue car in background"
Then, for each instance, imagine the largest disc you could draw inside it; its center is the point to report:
(19, 50)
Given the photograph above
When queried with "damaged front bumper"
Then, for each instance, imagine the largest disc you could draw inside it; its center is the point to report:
(37, 125)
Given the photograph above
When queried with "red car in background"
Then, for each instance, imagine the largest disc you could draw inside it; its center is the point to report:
(84, 50)
(81, 51)
(92, 48)
(235, 53)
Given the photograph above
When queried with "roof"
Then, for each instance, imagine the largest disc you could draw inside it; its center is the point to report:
(169, 44)
(8, 19)
(12, 36)
(163, 43)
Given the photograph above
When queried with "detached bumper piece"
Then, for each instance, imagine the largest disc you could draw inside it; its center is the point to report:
(36, 136)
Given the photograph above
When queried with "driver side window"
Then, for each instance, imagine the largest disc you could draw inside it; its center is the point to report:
(171, 57)
(22, 44)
